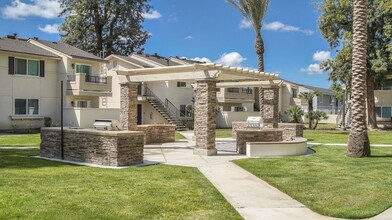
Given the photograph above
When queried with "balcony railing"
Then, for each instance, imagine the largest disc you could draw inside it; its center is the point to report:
(96, 79)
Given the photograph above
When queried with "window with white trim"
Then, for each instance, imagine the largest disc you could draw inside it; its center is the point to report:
(83, 104)
(233, 90)
(26, 107)
(182, 84)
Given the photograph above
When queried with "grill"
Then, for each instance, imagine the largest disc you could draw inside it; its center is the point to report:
(107, 125)
(254, 122)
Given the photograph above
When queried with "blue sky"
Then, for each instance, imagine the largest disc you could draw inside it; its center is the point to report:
(205, 29)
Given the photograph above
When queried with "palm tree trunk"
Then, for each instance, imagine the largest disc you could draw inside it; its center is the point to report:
(259, 47)
(371, 106)
(358, 141)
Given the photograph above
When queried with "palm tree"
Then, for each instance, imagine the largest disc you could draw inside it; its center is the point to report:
(358, 140)
(254, 11)
(308, 96)
(295, 113)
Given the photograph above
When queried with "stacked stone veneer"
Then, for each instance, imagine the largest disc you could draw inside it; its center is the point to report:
(108, 148)
(269, 106)
(158, 133)
(205, 117)
(290, 130)
(128, 109)
(264, 135)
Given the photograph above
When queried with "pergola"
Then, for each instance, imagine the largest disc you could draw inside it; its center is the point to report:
(207, 78)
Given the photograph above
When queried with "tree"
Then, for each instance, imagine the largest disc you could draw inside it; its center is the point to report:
(308, 96)
(336, 25)
(295, 113)
(358, 141)
(254, 11)
(315, 117)
(104, 26)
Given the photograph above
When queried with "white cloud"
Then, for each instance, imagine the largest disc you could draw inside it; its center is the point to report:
(201, 59)
(231, 59)
(39, 8)
(312, 69)
(279, 26)
(321, 56)
(245, 23)
(154, 14)
(189, 37)
(50, 28)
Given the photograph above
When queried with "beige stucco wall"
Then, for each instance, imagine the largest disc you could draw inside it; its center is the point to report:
(150, 115)
(383, 98)
(45, 89)
(85, 117)
(225, 119)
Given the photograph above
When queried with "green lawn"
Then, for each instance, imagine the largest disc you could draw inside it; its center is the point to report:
(341, 137)
(330, 183)
(223, 133)
(20, 140)
(38, 189)
(179, 136)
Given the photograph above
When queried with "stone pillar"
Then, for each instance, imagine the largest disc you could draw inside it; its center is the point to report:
(205, 118)
(269, 106)
(128, 110)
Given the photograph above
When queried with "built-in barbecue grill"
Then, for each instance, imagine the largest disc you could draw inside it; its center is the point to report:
(107, 124)
(254, 122)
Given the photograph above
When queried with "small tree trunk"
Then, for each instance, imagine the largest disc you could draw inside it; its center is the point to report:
(371, 105)
(310, 110)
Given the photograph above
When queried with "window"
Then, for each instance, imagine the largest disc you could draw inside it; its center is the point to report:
(247, 90)
(26, 107)
(182, 110)
(217, 89)
(387, 84)
(181, 84)
(26, 67)
(87, 69)
(83, 104)
(294, 93)
(233, 90)
(238, 109)
(384, 112)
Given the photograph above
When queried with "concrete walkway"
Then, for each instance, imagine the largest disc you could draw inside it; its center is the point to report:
(252, 197)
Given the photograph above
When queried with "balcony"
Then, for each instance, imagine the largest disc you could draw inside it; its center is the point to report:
(235, 94)
(82, 85)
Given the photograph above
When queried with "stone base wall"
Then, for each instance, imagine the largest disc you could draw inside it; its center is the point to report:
(154, 134)
(108, 148)
(291, 130)
(264, 135)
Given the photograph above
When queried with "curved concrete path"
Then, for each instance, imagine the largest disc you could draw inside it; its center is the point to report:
(252, 197)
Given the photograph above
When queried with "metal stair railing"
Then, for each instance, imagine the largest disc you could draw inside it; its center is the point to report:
(173, 111)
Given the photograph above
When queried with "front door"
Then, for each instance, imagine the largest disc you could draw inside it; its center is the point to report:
(139, 114)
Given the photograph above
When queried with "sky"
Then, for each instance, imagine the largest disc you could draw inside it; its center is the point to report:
(205, 30)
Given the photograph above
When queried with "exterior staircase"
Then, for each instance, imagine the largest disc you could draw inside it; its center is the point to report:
(166, 109)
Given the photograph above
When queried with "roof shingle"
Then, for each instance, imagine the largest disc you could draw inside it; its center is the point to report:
(21, 45)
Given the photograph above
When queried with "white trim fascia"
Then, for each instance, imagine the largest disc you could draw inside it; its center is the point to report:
(145, 60)
(113, 56)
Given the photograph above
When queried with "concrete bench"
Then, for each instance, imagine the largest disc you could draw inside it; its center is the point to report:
(295, 147)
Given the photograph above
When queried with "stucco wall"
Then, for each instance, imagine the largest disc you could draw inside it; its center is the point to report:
(383, 98)
(225, 119)
(85, 117)
(45, 89)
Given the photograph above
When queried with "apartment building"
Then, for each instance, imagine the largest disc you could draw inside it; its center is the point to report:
(31, 71)
(383, 100)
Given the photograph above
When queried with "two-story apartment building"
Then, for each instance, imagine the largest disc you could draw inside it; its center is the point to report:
(31, 71)
(383, 102)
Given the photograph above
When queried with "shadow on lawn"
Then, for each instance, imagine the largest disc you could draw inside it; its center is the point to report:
(14, 159)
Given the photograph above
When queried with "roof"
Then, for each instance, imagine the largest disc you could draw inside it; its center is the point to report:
(70, 50)
(132, 60)
(322, 90)
(21, 45)
(158, 59)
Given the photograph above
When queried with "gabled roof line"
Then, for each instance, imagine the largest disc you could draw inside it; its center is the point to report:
(120, 58)
(36, 43)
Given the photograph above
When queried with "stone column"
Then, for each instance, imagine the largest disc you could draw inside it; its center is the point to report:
(205, 118)
(269, 105)
(128, 110)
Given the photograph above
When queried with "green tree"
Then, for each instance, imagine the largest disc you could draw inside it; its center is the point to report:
(308, 96)
(110, 26)
(336, 25)
(295, 113)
